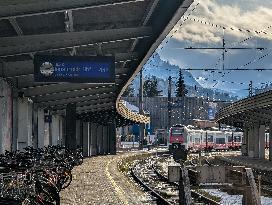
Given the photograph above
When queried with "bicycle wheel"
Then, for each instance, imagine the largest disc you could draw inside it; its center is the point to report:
(67, 179)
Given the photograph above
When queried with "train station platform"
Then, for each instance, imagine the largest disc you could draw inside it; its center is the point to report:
(255, 163)
(98, 181)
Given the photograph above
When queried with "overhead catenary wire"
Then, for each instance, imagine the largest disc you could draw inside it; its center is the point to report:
(228, 70)
(233, 28)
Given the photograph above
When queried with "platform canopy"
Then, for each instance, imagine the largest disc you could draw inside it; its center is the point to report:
(129, 30)
(249, 111)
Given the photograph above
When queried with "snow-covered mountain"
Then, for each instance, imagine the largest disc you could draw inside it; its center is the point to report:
(163, 69)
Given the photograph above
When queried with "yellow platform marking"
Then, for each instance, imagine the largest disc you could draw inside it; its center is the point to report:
(120, 192)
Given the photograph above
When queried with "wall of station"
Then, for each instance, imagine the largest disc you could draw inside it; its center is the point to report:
(23, 123)
(98, 139)
(5, 116)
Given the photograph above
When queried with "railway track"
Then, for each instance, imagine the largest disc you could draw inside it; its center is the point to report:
(148, 176)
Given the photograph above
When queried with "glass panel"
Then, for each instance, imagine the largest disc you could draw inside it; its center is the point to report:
(177, 131)
(237, 138)
(220, 140)
(210, 138)
(229, 139)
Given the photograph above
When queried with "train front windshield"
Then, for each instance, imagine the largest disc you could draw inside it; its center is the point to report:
(177, 132)
(177, 135)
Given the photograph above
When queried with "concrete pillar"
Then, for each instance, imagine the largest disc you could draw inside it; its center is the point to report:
(245, 142)
(35, 125)
(5, 116)
(81, 134)
(256, 141)
(105, 139)
(250, 145)
(112, 138)
(55, 130)
(85, 136)
(62, 130)
(93, 137)
(14, 123)
(262, 142)
(270, 141)
(99, 134)
(40, 128)
(78, 134)
(70, 141)
(47, 136)
(24, 137)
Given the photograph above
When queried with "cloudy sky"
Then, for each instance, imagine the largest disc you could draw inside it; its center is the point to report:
(247, 23)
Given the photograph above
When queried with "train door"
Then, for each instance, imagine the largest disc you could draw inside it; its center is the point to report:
(220, 141)
(237, 138)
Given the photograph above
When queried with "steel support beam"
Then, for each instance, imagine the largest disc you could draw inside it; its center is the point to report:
(73, 94)
(18, 30)
(146, 18)
(19, 8)
(59, 88)
(96, 109)
(20, 45)
(90, 108)
(27, 82)
(77, 99)
(87, 103)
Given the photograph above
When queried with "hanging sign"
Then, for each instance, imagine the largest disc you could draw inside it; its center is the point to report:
(75, 69)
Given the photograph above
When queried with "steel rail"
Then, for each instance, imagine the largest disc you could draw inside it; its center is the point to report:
(152, 192)
(194, 194)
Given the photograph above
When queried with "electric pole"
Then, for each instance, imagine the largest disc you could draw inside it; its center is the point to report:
(250, 89)
(141, 111)
(169, 101)
(224, 50)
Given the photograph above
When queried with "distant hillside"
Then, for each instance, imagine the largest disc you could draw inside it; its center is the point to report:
(264, 88)
(163, 69)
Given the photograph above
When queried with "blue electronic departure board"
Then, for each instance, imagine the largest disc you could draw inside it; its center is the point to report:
(75, 69)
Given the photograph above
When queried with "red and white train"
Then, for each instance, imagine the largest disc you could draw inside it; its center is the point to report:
(196, 139)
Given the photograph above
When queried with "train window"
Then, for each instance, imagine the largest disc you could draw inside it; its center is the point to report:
(210, 138)
(220, 141)
(178, 131)
(237, 138)
(229, 138)
(197, 140)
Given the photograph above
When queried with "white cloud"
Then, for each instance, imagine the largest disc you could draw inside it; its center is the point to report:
(229, 14)
(249, 14)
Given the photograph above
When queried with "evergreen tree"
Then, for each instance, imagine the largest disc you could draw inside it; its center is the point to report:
(150, 87)
(129, 92)
(181, 90)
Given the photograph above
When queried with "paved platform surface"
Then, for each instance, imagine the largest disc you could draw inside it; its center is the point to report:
(98, 181)
(262, 164)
